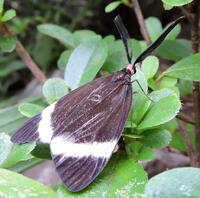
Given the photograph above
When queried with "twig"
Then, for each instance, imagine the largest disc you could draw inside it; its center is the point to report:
(136, 7)
(188, 144)
(186, 13)
(185, 118)
(193, 10)
(40, 76)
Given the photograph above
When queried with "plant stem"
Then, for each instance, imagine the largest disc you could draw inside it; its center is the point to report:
(138, 12)
(188, 144)
(185, 118)
(193, 10)
(22, 52)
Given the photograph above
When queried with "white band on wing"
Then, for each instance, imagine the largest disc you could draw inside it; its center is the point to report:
(60, 146)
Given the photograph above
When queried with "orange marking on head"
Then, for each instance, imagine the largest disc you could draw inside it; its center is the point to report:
(131, 68)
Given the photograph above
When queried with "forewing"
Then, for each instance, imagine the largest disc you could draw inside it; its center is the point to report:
(83, 143)
(39, 127)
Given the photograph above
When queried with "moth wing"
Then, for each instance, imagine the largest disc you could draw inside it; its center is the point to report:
(39, 128)
(83, 143)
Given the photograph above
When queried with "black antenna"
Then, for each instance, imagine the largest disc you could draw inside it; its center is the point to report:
(124, 36)
(158, 41)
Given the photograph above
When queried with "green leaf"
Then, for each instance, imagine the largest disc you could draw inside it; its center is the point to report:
(84, 63)
(10, 154)
(174, 32)
(121, 178)
(44, 51)
(63, 59)
(11, 118)
(1, 5)
(185, 87)
(138, 151)
(154, 27)
(14, 185)
(161, 112)
(82, 36)
(5, 147)
(117, 59)
(156, 138)
(9, 14)
(178, 142)
(168, 47)
(159, 94)
(150, 66)
(19, 152)
(25, 165)
(167, 82)
(29, 110)
(7, 43)
(109, 39)
(54, 89)
(11, 67)
(140, 102)
(175, 183)
(42, 151)
(167, 7)
(111, 6)
(187, 68)
(61, 34)
(177, 2)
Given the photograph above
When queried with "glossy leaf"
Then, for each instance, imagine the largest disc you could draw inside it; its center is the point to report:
(174, 33)
(11, 118)
(42, 151)
(162, 93)
(54, 89)
(177, 2)
(9, 14)
(1, 5)
(154, 27)
(5, 147)
(180, 46)
(19, 152)
(150, 66)
(116, 59)
(63, 59)
(167, 82)
(61, 34)
(14, 185)
(111, 6)
(82, 36)
(187, 68)
(121, 178)
(140, 102)
(137, 151)
(178, 142)
(156, 138)
(29, 110)
(7, 43)
(176, 183)
(161, 112)
(84, 63)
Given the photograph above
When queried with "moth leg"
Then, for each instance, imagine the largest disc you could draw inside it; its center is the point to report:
(142, 89)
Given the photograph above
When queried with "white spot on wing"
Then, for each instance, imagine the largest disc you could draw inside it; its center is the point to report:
(44, 129)
(60, 146)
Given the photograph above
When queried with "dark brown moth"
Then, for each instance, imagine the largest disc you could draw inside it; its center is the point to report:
(84, 126)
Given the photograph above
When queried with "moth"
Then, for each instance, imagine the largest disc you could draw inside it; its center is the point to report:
(84, 127)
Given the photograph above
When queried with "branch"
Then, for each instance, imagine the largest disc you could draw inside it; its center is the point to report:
(138, 12)
(36, 71)
(185, 118)
(188, 144)
(193, 10)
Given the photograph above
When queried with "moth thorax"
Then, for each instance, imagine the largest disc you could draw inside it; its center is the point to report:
(131, 68)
